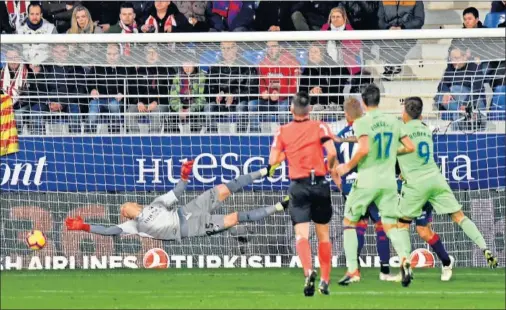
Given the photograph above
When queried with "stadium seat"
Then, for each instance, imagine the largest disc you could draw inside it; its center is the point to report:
(2, 60)
(254, 57)
(492, 20)
(209, 57)
(302, 57)
(498, 104)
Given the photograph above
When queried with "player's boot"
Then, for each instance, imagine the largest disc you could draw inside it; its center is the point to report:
(406, 273)
(309, 284)
(446, 271)
(350, 278)
(491, 259)
(285, 202)
(272, 169)
(390, 277)
(323, 288)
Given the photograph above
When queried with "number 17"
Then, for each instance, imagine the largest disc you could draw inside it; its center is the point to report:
(378, 138)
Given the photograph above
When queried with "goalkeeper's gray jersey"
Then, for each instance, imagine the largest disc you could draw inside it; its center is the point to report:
(157, 220)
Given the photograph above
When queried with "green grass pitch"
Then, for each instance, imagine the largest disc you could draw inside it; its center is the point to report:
(244, 288)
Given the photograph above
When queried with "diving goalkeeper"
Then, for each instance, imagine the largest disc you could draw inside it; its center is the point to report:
(163, 220)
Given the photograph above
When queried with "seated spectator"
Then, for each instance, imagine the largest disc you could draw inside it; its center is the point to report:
(232, 84)
(311, 15)
(165, 17)
(151, 80)
(471, 17)
(461, 79)
(13, 82)
(104, 13)
(81, 22)
(273, 16)
(126, 22)
(345, 53)
(59, 13)
(498, 6)
(62, 81)
(362, 15)
(322, 76)
(35, 24)
(397, 15)
(142, 11)
(12, 15)
(231, 15)
(187, 96)
(279, 71)
(195, 13)
(109, 81)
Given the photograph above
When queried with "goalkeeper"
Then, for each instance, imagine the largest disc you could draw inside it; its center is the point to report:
(423, 181)
(160, 220)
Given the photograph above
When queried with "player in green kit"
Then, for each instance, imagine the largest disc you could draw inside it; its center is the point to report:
(380, 140)
(423, 181)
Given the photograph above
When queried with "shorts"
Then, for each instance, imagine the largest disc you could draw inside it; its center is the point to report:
(360, 199)
(372, 212)
(196, 219)
(436, 191)
(310, 202)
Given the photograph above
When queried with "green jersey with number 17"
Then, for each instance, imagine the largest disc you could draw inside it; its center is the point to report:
(377, 168)
(420, 164)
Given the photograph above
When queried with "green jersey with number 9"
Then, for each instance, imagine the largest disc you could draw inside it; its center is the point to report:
(420, 164)
(377, 169)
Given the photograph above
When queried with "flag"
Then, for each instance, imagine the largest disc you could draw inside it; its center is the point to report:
(8, 132)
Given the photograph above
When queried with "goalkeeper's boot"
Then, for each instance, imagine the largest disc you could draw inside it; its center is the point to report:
(285, 202)
(491, 259)
(446, 271)
(272, 169)
(406, 273)
(350, 277)
(309, 284)
(323, 288)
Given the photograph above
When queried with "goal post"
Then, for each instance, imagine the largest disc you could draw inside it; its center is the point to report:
(62, 169)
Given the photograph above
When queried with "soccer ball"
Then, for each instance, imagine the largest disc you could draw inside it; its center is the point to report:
(422, 258)
(156, 259)
(36, 240)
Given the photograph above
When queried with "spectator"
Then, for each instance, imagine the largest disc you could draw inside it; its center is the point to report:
(81, 22)
(59, 13)
(273, 16)
(104, 13)
(231, 15)
(142, 11)
(362, 15)
(279, 71)
(12, 15)
(461, 79)
(187, 96)
(345, 53)
(62, 81)
(498, 6)
(322, 76)
(232, 84)
(471, 17)
(311, 15)
(35, 24)
(165, 17)
(195, 13)
(397, 15)
(126, 22)
(14, 83)
(153, 79)
(110, 81)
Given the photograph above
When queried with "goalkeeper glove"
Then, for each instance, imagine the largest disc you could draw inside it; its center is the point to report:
(76, 224)
(186, 170)
(272, 169)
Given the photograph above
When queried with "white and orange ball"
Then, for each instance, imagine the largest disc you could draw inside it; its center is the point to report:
(156, 259)
(36, 240)
(422, 258)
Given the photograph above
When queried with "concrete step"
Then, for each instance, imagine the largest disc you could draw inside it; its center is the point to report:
(410, 88)
(394, 103)
(455, 5)
(449, 17)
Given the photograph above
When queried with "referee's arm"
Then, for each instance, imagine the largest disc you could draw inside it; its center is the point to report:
(277, 155)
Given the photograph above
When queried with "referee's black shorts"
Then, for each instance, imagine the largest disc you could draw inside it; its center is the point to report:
(310, 201)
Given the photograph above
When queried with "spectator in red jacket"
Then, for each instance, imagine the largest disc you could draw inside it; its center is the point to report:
(279, 71)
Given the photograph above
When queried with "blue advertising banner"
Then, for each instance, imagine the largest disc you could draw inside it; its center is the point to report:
(127, 163)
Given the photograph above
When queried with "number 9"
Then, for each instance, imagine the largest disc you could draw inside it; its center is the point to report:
(424, 151)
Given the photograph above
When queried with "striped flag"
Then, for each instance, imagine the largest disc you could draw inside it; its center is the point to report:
(8, 132)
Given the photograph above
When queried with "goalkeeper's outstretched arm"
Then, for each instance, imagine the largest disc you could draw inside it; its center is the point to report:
(79, 224)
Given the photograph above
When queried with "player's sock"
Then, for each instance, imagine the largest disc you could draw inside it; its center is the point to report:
(472, 232)
(304, 252)
(325, 257)
(243, 180)
(256, 214)
(383, 248)
(438, 247)
(400, 241)
(350, 243)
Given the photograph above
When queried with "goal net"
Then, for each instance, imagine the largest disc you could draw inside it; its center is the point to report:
(105, 119)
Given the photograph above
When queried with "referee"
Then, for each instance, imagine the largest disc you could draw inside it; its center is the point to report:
(302, 142)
